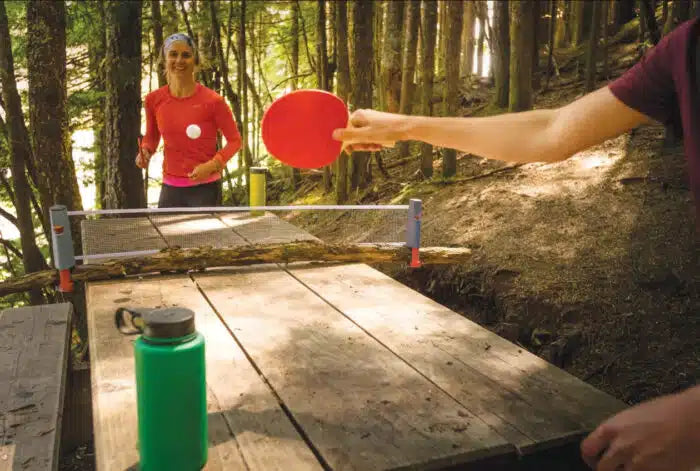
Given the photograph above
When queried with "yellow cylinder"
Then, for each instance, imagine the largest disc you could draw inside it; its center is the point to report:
(257, 189)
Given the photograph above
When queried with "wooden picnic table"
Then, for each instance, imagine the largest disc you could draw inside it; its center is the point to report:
(34, 350)
(313, 367)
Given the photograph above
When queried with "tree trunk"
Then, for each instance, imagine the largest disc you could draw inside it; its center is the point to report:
(124, 181)
(537, 20)
(684, 11)
(455, 12)
(664, 11)
(158, 38)
(648, 18)
(391, 55)
(625, 12)
(604, 36)
(440, 36)
(409, 65)
(577, 17)
(521, 37)
(481, 9)
(467, 65)
(96, 51)
(169, 18)
(322, 72)
(200, 258)
(561, 24)
(428, 36)
(363, 67)
(46, 68)
(295, 173)
(343, 64)
(592, 49)
(501, 53)
(696, 7)
(20, 153)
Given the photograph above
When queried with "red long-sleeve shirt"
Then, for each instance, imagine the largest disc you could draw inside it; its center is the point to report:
(169, 116)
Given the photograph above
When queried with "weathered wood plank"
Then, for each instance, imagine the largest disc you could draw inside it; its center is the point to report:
(360, 405)
(265, 229)
(507, 386)
(195, 230)
(34, 346)
(112, 235)
(237, 397)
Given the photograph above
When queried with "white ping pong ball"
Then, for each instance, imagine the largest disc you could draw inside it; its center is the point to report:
(193, 131)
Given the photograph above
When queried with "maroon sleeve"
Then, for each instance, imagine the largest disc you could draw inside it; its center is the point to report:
(648, 86)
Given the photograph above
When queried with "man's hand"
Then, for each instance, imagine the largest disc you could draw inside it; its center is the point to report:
(203, 171)
(143, 157)
(659, 435)
(370, 130)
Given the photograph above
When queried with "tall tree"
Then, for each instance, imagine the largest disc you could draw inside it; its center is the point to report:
(343, 63)
(322, 72)
(124, 181)
(521, 37)
(482, 17)
(592, 49)
(391, 55)
(501, 53)
(428, 37)
(562, 34)
(242, 72)
(537, 20)
(170, 18)
(46, 68)
(624, 11)
(577, 18)
(157, 37)
(455, 12)
(20, 153)
(295, 173)
(362, 78)
(648, 19)
(409, 64)
(97, 50)
(468, 39)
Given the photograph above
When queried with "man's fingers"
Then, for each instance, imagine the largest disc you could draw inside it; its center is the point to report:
(596, 443)
(614, 459)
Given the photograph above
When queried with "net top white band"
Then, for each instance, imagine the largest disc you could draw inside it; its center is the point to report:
(227, 209)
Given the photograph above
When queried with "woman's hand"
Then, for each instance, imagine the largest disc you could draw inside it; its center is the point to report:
(371, 130)
(143, 157)
(203, 171)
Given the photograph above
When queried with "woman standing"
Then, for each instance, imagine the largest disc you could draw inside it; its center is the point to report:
(187, 115)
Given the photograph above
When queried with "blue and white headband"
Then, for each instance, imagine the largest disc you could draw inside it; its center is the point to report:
(177, 37)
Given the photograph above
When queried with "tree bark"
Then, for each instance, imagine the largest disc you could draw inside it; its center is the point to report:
(322, 72)
(501, 53)
(592, 50)
(455, 11)
(625, 12)
(562, 26)
(409, 65)
(158, 38)
(20, 152)
(295, 178)
(577, 17)
(468, 39)
(46, 67)
(391, 55)
(124, 181)
(97, 50)
(481, 10)
(362, 79)
(343, 64)
(649, 19)
(428, 37)
(521, 37)
(537, 20)
(201, 258)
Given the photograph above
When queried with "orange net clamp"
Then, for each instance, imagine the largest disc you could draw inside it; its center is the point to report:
(415, 258)
(65, 284)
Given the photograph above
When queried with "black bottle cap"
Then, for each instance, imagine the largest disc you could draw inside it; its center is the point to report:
(168, 323)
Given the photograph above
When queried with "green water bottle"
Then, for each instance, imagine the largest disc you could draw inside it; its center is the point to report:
(171, 392)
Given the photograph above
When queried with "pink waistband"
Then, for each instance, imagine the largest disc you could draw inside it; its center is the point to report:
(172, 180)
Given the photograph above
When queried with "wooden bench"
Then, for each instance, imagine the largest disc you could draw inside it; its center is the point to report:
(34, 351)
(333, 367)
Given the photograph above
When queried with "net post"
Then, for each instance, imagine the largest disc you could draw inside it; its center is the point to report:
(257, 188)
(415, 213)
(62, 241)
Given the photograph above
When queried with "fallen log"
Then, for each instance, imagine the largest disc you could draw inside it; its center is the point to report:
(177, 259)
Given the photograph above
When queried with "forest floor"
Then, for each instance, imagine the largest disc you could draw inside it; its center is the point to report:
(591, 263)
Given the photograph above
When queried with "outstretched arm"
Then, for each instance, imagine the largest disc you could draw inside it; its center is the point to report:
(531, 136)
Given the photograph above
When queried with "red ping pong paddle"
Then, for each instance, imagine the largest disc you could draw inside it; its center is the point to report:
(297, 128)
